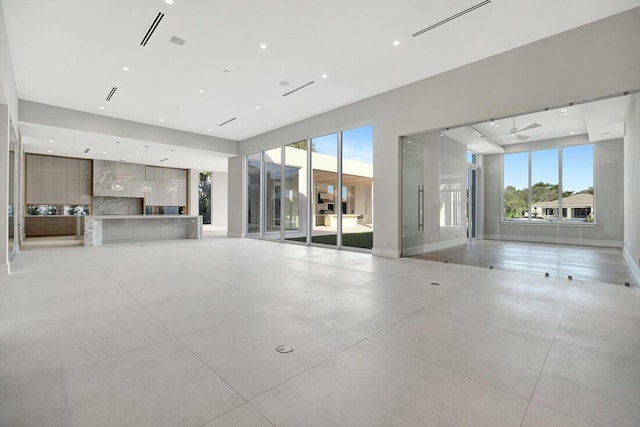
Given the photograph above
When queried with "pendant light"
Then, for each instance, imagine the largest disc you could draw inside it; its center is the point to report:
(172, 189)
(146, 187)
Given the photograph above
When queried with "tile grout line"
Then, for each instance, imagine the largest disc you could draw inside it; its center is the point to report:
(553, 340)
(176, 337)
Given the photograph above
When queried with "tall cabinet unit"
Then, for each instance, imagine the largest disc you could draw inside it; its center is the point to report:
(57, 181)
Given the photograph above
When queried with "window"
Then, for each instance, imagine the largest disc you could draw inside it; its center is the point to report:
(536, 188)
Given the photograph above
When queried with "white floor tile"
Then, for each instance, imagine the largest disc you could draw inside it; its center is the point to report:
(37, 352)
(244, 416)
(195, 313)
(537, 416)
(163, 385)
(505, 358)
(369, 385)
(357, 310)
(535, 316)
(594, 387)
(244, 353)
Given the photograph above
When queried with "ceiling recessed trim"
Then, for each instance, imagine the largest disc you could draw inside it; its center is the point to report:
(152, 29)
(111, 93)
(228, 121)
(299, 88)
(451, 18)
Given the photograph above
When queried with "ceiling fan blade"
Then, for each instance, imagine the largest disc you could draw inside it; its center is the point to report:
(531, 126)
(522, 137)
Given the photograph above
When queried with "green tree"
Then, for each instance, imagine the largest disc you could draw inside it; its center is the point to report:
(204, 190)
(515, 203)
(302, 145)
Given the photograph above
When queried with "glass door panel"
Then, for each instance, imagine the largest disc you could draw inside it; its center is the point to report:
(295, 192)
(254, 168)
(325, 195)
(357, 187)
(272, 194)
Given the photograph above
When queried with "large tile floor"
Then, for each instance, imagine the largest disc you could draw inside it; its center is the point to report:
(183, 333)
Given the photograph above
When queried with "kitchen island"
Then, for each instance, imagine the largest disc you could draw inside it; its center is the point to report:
(100, 229)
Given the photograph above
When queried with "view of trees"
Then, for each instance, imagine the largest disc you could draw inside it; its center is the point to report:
(516, 202)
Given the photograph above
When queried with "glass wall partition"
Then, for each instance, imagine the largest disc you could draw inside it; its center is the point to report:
(551, 192)
(253, 185)
(295, 190)
(272, 193)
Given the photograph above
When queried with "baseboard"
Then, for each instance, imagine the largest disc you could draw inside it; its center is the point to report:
(434, 246)
(384, 252)
(4, 270)
(554, 240)
(635, 269)
(233, 234)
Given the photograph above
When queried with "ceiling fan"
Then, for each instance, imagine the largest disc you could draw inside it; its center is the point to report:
(516, 132)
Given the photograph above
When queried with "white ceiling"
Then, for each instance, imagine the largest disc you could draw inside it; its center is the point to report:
(600, 120)
(70, 53)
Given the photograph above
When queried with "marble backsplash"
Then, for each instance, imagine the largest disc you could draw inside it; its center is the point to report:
(106, 173)
(117, 206)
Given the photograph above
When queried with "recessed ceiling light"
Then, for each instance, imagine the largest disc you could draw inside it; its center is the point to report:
(493, 123)
(263, 46)
(130, 155)
(137, 152)
(102, 108)
(125, 68)
(572, 132)
(324, 76)
(168, 1)
(257, 107)
(51, 140)
(565, 114)
(564, 110)
(513, 140)
(123, 160)
(49, 151)
(396, 43)
(209, 129)
(104, 152)
(153, 158)
(162, 120)
(200, 90)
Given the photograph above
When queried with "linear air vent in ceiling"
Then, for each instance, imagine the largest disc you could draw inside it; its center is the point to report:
(228, 121)
(451, 18)
(152, 28)
(111, 92)
(163, 160)
(87, 150)
(298, 88)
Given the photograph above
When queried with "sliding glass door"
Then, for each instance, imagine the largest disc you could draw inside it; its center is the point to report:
(317, 191)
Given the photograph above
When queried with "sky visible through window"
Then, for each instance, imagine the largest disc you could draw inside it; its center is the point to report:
(577, 165)
(357, 144)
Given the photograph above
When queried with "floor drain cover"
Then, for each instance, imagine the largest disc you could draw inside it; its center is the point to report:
(284, 348)
(435, 284)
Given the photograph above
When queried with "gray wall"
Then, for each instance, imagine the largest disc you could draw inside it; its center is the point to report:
(609, 199)
(529, 78)
(632, 185)
(235, 214)
(219, 197)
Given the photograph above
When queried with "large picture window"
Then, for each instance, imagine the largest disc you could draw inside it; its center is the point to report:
(552, 185)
